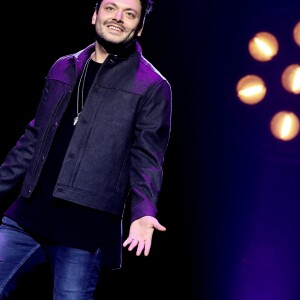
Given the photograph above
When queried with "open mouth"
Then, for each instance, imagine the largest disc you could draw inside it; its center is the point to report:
(116, 28)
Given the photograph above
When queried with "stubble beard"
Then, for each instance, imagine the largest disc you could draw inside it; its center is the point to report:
(114, 47)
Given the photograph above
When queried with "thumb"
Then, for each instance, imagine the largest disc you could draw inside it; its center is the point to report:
(159, 227)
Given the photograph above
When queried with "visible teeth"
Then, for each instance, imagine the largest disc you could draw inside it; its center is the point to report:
(115, 28)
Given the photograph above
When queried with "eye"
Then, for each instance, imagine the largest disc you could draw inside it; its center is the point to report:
(109, 8)
(130, 15)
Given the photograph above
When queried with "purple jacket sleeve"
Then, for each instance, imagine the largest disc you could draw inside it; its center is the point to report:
(152, 133)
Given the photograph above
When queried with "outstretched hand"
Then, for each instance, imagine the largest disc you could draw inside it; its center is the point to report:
(140, 234)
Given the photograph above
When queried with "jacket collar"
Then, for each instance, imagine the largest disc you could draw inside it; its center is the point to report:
(81, 56)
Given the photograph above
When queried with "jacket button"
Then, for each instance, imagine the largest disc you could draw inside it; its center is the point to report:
(56, 124)
(43, 158)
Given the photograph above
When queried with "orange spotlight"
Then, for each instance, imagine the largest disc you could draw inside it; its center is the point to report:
(296, 33)
(251, 89)
(290, 79)
(263, 46)
(285, 125)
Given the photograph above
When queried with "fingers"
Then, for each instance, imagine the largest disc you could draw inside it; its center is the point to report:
(141, 245)
(128, 241)
(133, 244)
(140, 248)
(140, 235)
(147, 247)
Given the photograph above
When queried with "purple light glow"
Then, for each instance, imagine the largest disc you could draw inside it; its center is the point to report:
(269, 266)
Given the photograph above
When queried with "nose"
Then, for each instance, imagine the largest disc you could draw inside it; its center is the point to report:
(119, 15)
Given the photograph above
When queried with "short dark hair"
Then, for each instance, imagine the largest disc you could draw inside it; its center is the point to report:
(147, 6)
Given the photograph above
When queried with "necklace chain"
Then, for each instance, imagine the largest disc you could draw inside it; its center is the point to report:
(80, 90)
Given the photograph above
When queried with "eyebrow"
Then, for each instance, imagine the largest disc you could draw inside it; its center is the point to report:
(115, 5)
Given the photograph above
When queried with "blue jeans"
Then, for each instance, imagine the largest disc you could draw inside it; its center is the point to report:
(75, 272)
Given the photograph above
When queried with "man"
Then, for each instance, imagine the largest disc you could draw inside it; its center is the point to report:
(98, 139)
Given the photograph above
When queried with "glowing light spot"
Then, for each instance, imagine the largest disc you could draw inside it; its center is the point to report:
(251, 89)
(296, 33)
(285, 125)
(263, 46)
(290, 79)
(296, 81)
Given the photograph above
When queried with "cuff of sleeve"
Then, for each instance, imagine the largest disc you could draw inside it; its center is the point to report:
(143, 209)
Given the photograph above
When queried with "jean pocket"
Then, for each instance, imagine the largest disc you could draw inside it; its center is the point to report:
(9, 222)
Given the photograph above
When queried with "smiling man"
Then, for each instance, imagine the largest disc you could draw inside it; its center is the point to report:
(96, 144)
(118, 23)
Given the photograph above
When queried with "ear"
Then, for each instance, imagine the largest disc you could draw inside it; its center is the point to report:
(94, 17)
(141, 30)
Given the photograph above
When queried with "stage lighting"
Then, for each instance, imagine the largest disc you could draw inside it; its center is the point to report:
(263, 46)
(296, 33)
(251, 89)
(290, 78)
(282, 78)
(285, 125)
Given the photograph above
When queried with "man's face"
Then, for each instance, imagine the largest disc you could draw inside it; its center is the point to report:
(117, 20)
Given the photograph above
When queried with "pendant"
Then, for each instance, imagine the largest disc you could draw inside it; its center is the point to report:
(76, 119)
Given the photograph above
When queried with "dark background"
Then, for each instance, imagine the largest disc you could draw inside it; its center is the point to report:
(230, 196)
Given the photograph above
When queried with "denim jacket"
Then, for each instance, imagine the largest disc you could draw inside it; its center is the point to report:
(118, 145)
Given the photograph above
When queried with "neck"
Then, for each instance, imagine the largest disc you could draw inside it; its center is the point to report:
(100, 54)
